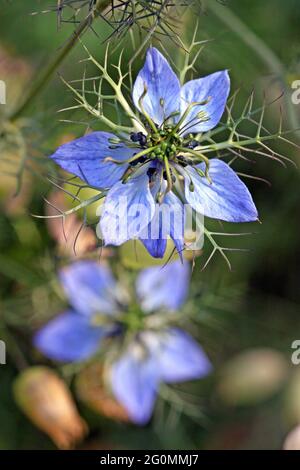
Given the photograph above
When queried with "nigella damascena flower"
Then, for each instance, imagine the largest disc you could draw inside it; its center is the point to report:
(151, 175)
(149, 353)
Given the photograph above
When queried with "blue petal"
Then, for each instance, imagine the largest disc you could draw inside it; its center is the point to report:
(164, 287)
(68, 337)
(156, 248)
(215, 88)
(163, 87)
(226, 198)
(134, 382)
(180, 357)
(153, 238)
(85, 158)
(128, 209)
(168, 220)
(177, 220)
(90, 287)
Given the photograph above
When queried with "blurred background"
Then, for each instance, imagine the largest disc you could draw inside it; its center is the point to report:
(246, 318)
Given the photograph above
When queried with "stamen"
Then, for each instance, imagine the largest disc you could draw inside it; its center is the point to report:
(173, 114)
(182, 171)
(188, 110)
(191, 123)
(168, 174)
(201, 158)
(132, 159)
(139, 137)
(150, 122)
(134, 171)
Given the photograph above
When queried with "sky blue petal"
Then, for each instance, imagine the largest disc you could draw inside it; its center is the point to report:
(226, 198)
(90, 287)
(163, 87)
(177, 221)
(214, 87)
(179, 357)
(85, 158)
(128, 209)
(134, 382)
(156, 248)
(153, 238)
(168, 221)
(164, 286)
(68, 337)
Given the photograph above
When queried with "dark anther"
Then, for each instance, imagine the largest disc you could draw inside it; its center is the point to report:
(138, 137)
(143, 139)
(192, 144)
(142, 159)
(172, 176)
(182, 160)
(134, 136)
(151, 172)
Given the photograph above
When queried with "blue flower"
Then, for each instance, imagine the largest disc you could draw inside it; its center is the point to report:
(148, 355)
(151, 174)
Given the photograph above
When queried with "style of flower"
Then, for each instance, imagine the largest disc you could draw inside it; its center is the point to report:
(149, 352)
(151, 174)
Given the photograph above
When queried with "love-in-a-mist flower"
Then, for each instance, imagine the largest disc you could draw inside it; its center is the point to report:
(151, 174)
(146, 352)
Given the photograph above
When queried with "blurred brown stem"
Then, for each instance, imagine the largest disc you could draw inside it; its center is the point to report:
(48, 71)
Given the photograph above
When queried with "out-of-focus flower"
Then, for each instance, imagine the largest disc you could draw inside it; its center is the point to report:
(252, 376)
(149, 352)
(44, 398)
(292, 440)
(149, 175)
(90, 388)
(71, 236)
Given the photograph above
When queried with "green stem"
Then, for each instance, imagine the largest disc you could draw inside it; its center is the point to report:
(240, 144)
(47, 72)
(260, 48)
(168, 173)
(82, 205)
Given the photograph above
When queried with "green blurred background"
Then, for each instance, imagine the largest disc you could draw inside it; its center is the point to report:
(254, 306)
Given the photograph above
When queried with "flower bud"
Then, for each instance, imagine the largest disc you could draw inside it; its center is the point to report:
(292, 441)
(91, 390)
(252, 376)
(44, 398)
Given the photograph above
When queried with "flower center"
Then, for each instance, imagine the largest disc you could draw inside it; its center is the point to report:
(166, 143)
(134, 318)
(163, 143)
